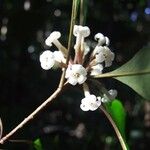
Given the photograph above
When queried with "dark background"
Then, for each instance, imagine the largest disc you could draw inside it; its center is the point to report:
(24, 25)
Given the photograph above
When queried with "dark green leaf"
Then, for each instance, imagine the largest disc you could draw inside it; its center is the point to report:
(37, 144)
(139, 63)
(135, 73)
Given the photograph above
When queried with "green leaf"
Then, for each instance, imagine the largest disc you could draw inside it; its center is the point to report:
(37, 144)
(135, 73)
(118, 115)
(139, 63)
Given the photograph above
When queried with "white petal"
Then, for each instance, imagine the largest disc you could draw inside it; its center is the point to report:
(93, 107)
(47, 60)
(83, 71)
(90, 102)
(112, 56)
(72, 80)
(77, 68)
(84, 107)
(82, 79)
(100, 38)
(105, 99)
(46, 66)
(75, 30)
(100, 57)
(86, 49)
(99, 98)
(55, 35)
(68, 72)
(91, 98)
(59, 57)
(98, 102)
(107, 41)
(84, 100)
(97, 69)
(98, 49)
(46, 56)
(113, 93)
(108, 63)
(76, 74)
(84, 31)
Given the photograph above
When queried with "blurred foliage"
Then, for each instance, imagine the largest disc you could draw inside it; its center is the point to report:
(118, 114)
(24, 25)
(37, 144)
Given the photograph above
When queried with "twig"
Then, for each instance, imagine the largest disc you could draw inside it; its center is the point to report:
(72, 23)
(21, 141)
(81, 12)
(123, 145)
(73, 19)
(61, 84)
(1, 128)
(31, 116)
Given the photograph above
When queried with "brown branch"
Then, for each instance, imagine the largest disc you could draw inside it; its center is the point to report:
(73, 18)
(31, 116)
(1, 128)
(61, 84)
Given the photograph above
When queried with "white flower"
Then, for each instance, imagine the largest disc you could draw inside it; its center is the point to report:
(101, 39)
(59, 57)
(53, 38)
(76, 74)
(47, 60)
(106, 55)
(97, 50)
(96, 70)
(107, 40)
(113, 95)
(86, 49)
(90, 102)
(80, 32)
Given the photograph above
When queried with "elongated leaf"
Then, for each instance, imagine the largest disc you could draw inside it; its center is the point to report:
(37, 144)
(118, 114)
(1, 128)
(135, 73)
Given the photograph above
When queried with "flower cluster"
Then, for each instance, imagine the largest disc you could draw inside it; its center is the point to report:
(85, 62)
(92, 102)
